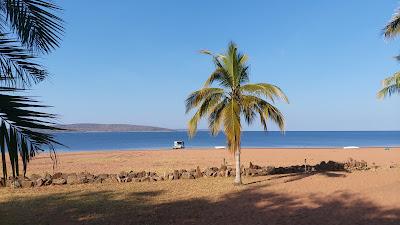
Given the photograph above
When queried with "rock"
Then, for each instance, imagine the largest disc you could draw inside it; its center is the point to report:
(123, 174)
(57, 175)
(352, 164)
(135, 179)
(47, 176)
(211, 172)
(141, 174)
(59, 181)
(143, 179)
(227, 173)
(103, 176)
(40, 182)
(198, 173)
(27, 183)
(176, 175)
(15, 183)
(126, 179)
(223, 168)
(187, 175)
(72, 179)
(34, 176)
(170, 176)
(252, 166)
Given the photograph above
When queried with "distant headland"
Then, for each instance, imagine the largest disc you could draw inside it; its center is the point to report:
(95, 127)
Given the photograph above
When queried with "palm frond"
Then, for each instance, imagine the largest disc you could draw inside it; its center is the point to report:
(392, 29)
(17, 67)
(390, 85)
(198, 96)
(35, 22)
(207, 106)
(270, 91)
(21, 129)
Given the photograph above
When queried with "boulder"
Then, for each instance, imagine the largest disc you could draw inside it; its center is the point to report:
(57, 175)
(187, 175)
(72, 179)
(15, 183)
(59, 181)
(176, 175)
(40, 182)
(27, 183)
(34, 176)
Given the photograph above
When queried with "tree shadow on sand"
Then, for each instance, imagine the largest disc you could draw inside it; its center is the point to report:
(252, 205)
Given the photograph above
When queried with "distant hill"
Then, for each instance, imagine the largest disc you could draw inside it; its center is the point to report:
(94, 127)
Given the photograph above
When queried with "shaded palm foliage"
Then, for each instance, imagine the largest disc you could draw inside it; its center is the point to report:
(391, 84)
(235, 98)
(28, 28)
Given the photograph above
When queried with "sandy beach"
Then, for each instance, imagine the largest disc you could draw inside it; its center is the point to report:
(166, 160)
(362, 197)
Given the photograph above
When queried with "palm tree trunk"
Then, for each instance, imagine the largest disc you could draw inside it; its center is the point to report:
(238, 178)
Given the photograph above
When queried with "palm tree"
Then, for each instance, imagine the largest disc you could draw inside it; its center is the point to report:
(29, 28)
(224, 106)
(391, 84)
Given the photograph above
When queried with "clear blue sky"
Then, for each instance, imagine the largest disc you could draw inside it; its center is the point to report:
(136, 61)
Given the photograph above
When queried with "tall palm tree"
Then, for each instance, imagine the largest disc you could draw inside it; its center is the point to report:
(235, 98)
(391, 84)
(28, 28)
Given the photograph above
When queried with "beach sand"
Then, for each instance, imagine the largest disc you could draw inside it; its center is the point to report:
(167, 160)
(362, 197)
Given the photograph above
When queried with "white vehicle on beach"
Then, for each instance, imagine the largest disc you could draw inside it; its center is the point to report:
(179, 145)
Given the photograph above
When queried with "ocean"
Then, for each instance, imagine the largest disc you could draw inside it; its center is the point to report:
(90, 141)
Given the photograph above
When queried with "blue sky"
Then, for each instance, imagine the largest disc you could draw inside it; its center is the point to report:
(136, 61)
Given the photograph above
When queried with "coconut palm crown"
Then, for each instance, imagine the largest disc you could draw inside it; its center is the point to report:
(391, 84)
(224, 106)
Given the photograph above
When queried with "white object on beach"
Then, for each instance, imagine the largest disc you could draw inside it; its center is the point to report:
(219, 147)
(351, 147)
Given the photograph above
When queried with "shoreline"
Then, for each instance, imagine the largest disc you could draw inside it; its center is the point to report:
(212, 148)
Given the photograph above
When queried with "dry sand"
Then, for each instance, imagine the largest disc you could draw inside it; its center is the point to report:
(358, 198)
(165, 160)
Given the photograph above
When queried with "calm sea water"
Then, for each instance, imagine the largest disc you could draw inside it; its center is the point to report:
(164, 140)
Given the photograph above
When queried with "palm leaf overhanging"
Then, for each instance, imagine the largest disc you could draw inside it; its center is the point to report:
(28, 28)
(391, 85)
(234, 98)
